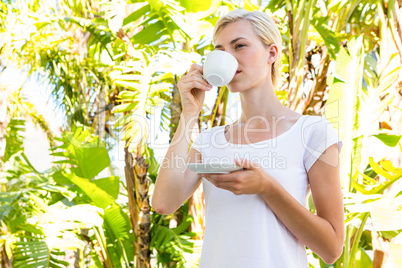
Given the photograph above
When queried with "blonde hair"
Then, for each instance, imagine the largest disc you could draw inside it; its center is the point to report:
(263, 26)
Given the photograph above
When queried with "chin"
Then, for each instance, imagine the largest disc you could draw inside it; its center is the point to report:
(234, 87)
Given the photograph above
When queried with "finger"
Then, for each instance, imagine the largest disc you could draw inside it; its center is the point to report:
(230, 186)
(223, 178)
(195, 66)
(196, 84)
(245, 163)
(211, 178)
(194, 75)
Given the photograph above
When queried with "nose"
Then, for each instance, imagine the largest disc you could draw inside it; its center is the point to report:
(232, 51)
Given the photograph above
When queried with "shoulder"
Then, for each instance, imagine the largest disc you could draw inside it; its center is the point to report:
(317, 131)
(314, 119)
(316, 123)
(205, 135)
(209, 131)
(318, 135)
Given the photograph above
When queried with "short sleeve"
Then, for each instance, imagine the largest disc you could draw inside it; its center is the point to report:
(318, 135)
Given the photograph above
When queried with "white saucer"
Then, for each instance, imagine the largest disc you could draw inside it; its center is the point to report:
(213, 167)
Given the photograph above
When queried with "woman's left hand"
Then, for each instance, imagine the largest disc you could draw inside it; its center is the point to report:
(251, 180)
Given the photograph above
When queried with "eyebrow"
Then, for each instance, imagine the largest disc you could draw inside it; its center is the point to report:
(231, 42)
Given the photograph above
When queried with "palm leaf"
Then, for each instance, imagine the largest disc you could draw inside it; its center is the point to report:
(14, 138)
(85, 151)
(160, 20)
(118, 221)
(100, 197)
(111, 185)
(328, 36)
(144, 87)
(342, 104)
(119, 234)
(171, 244)
(34, 252)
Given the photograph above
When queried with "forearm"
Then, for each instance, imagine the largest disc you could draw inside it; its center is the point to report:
(313, 231)
(169, 183)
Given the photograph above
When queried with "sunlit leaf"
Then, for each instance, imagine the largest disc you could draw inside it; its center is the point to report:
(127, 84)
(389, 140)
(362, 259)
(125, 107)
(100, 197)
(136, 14)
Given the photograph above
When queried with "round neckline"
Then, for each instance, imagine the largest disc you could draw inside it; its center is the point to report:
(263, 141)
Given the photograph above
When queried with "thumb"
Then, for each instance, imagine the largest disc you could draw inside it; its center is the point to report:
(244, 163)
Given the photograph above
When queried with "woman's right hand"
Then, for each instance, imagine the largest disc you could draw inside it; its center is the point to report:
(192, 89)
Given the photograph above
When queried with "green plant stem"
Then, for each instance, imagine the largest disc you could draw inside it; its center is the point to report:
(346, 253)
(356, 240)
(124, 254)
(102, 243)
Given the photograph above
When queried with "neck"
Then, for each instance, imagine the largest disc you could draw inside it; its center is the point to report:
(261, 104)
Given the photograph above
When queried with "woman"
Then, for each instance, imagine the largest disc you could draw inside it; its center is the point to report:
(256, 217)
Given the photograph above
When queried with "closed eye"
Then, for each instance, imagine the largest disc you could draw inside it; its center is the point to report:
(239, 46)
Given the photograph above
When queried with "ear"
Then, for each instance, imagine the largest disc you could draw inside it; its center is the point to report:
(273, 53)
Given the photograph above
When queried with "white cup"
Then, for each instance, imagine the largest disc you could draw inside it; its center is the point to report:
(219, 68)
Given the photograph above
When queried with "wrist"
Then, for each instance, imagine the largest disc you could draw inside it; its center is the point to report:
(189, 124)
(267, 184)
(187, 116)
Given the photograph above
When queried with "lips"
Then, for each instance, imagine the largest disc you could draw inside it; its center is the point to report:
(237, 72)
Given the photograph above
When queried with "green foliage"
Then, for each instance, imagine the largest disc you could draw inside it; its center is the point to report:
(153, 165)
(327, 35)
(345, 88)
(34, 252)
(353, 104)
(88, 157)
(14, 138)
(100, 40)
(99, 197)
(145, 81)
(371, 186)
(170, 244)
(197, 6)
(25, 199)
(31, 195)
(163, 20)
(389, 140)
(82, 150)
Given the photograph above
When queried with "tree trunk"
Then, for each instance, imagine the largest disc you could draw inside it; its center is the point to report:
(5, 261)
(314, 102)
(139, 205)
(379, 247)
(100, 118)
(77, 258)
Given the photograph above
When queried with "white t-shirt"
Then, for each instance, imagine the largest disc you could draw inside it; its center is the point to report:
(241, 230)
